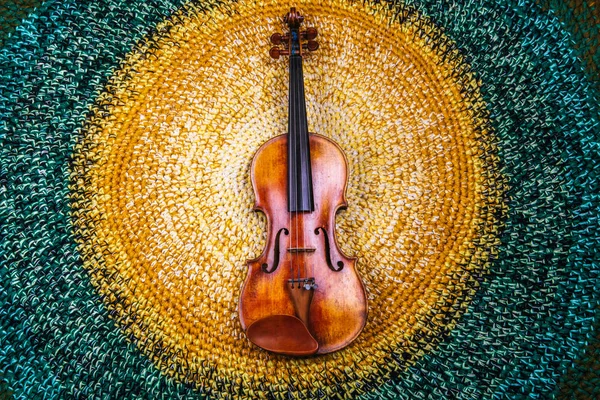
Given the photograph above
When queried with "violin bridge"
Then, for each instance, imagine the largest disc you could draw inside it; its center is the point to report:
(301, 249)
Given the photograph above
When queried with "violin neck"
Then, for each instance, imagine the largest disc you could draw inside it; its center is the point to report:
(300, 190)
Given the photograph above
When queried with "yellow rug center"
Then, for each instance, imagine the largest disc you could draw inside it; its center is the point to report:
(162, 196)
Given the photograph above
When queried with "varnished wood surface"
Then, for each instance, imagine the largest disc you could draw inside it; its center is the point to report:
(338, 309)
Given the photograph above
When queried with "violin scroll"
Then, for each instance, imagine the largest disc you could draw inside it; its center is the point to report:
(293, 19)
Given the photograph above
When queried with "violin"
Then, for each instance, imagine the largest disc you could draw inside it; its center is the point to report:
(302, 295)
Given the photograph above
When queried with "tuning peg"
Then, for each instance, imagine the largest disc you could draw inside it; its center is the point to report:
(311, 45)
(309, 33)
(278, 38)
(275, 52)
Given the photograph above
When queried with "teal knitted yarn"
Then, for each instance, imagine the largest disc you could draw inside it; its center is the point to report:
(11, 14)
(531, 328)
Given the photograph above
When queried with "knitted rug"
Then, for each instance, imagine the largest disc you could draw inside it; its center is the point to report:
(471, 130)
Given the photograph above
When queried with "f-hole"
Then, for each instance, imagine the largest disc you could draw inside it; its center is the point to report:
(265, 266)
(339, 264)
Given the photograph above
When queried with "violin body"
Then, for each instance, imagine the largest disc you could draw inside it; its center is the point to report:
(301, 296)
(338, 309)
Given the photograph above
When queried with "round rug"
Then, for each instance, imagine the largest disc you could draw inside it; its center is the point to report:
(162, 195)
(471, 137)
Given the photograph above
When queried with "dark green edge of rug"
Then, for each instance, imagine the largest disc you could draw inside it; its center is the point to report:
(578, 195)
(11, 14)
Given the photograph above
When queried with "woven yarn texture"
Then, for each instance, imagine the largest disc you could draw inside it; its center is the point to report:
(471, 130)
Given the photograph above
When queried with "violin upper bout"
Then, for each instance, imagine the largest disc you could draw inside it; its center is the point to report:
(268, 175)
(329, 173)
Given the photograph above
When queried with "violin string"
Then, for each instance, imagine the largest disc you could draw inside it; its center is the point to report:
(294, 161)
(303, 145)
(297, 142)
(299, 157)
(291, 162)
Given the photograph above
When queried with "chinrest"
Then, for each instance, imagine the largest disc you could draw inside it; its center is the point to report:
(282, 334)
